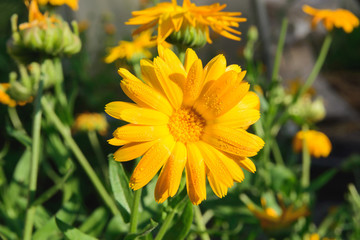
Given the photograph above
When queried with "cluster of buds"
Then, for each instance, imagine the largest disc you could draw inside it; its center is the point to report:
(26, 86)
(42, 37)
(308, 110)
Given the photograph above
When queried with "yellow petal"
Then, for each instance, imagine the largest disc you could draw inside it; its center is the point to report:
(219, 188)
(170, 176)
(117, 142)
(131, 113)
(127, 75)
(194, 83)
(195, 175)
(131, 151)
(165, 27)
(236, 118)
(146, 96)
(190, 58)
(171, 89)
(250, 100)
(151, 162)
(148, 73)
(236, 172)
(173, 61)
(215, 68)
(214, 164)
(136, 133)
(243, 162)
(233, 67)
(235, 141)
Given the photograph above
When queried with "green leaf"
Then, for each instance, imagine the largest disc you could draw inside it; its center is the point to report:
(120, 187)
(6, 233)
(148, 229)
(182, 227)
(116, 229)
(19, 135)
(322, 180)
(67, 213)
(72, 233)
(95, 224)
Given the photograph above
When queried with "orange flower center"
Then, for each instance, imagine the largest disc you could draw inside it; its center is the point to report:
(186, 125)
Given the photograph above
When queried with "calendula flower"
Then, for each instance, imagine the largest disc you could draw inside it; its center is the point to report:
(7, 100)
(317, 143)
(186, 117)
(71, 3)
(135, 50)
(36, 18)
(87, 122)
(187, 24)
(340, 18)
(272, 219)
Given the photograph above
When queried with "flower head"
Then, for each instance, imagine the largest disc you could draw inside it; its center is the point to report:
(87, 122)
(339, 18)
(71, 3)
(7, 100)
(277, 217)
(189, 20)
(186, 117)
(317, 143)
(135, 50)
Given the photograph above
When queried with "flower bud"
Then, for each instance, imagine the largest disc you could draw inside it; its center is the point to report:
(188, 36)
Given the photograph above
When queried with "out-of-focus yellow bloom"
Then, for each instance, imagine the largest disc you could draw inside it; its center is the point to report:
(137, 49)
(71, 3)
(339, 18)
(171, 18)
(87, 122)
(7, 100)
(318, 143)
(83, 25)
(315, 236)
(36, 18)
(186, 117)
(273, 220)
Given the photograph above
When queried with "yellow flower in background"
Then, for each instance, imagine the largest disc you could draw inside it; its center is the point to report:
(71, 3)
(86, 122)
(36, 18)
(186, 116)
(170, 18)
(7, 100)
(318, 143)
(276, 219)
(339, 18)
(137, 49)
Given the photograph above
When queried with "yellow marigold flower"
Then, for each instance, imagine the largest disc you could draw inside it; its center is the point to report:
(273, 220)
(339, 18)
(137, 49)
(36, 18)
(7, 100)
(71, 3)
(317, 142)
(87, 122)
(172, 18)
(186, 117)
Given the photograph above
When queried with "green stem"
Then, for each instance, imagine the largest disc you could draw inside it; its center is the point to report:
(14, 118)
(306, 165)
(137, 69)
(169, 218)
(181, 53)
(34, 167)
(134, 218)
(279, 50)
(277, 153)
(66, 134)
(98, 152)
(317, 67)
(200, 224)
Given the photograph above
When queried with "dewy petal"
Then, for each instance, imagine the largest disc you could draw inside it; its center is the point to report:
(250, 100)
(215, 68)
(151, 162)
(234, 141)
(215, 164)
(117, 142)
(136, 133)
(195, 175)
(134, 114)
(219, 188)
(243, 162)
(236, 118)
(194, 83)
(149, 75)
(172, 90)
(146, 96)
(170, 176)
(132, 150)
(190, 58)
